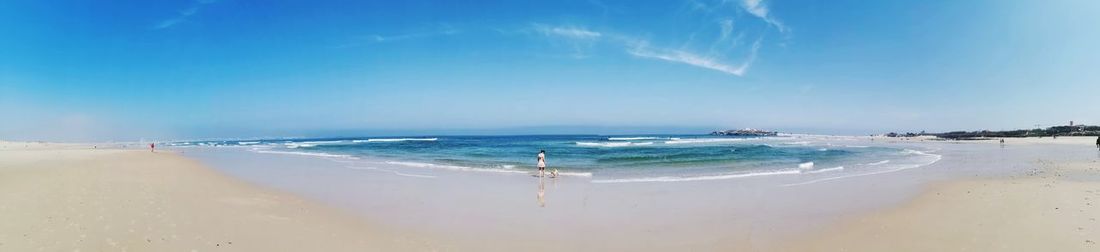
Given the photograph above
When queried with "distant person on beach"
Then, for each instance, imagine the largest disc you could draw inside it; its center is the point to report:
(152, 147)
(1098, 142)
(542, 162)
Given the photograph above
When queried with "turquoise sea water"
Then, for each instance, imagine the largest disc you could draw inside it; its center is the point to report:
(635, 158)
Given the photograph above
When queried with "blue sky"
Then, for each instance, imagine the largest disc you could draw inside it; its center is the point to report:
(124, 70)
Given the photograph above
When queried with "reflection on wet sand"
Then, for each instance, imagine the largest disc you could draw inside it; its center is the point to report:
(542, 193)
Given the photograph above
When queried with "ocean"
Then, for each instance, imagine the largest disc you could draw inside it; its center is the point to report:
(613, 159)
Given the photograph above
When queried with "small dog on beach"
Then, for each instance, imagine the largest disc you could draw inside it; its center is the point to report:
(554, 173)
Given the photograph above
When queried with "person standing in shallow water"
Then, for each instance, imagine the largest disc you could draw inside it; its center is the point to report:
(542, 162)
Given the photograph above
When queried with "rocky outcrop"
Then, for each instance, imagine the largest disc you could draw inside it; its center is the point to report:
(744, 132)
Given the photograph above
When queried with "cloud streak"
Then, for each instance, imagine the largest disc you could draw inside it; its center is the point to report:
(357, 41)
(566, 31)
(712, 59)
(723, 49)
(580, 39)
(182, 15)
(760, 10)
(415, 35)
(643, 50)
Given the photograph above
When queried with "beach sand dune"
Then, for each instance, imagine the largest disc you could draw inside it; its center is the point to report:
(75, 198)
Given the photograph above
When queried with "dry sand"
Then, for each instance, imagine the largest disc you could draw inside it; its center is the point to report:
(68, 197)
(1052, 209)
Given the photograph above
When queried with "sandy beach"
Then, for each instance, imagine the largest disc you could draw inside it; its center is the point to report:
(71, 197)
(1029, 195)
(1053, 210)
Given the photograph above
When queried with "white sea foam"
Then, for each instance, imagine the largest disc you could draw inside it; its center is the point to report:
(879, 162)
(631, 138)
(913, 152)
(846, 146)
(932, 158)
(322, 142)
(838, 168)
(806, 165)
(704, 140)
(698, 178)
(400, 139)
(248, 143)
(463, 168)
(612, 144)
(300, 153)
(295, 146)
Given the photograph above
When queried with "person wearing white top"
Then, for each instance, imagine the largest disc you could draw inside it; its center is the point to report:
(542, 162)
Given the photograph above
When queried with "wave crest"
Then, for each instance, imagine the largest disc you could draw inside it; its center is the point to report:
(704, 140)
(301, 153)
(395, 140)
(612, 144)
(631, 138)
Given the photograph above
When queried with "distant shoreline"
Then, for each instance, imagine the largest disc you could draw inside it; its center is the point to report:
(1055, 131)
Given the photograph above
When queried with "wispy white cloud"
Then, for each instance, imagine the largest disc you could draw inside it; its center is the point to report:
(579, 39)
(182, 15)
(566, 31)
(642, 49)
(760, 9)
(698, 5)
(723, 49)
(443, 30)
(415, 35)
(726, 27)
